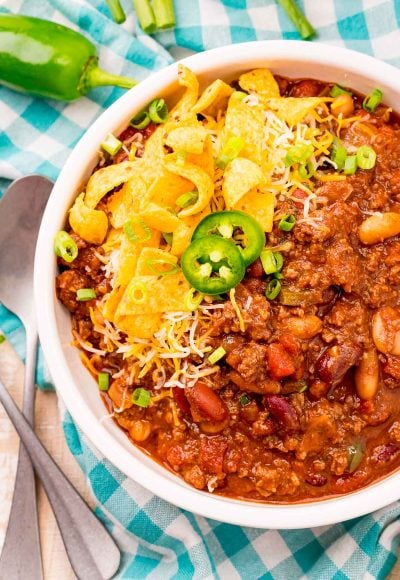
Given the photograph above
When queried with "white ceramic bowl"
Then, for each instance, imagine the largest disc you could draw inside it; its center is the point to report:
(73, 382)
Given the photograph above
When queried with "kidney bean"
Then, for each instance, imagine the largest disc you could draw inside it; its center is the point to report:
(181, 400)
(306, 88)
(282, 411)
(366, 376)
(256, 270)
(386, 330)
(384, 453)
(206, 401)
(335, 361)
(316, 479)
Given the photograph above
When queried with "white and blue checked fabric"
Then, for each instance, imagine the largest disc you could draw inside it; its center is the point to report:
(157, 539)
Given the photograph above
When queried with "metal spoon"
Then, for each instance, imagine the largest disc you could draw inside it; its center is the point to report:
(21, 212)
(92, 552)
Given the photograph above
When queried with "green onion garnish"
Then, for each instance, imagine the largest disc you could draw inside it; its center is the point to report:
(298, 18)
(215, 356)
(145, 15)
(158, 111)
(116, 11)
(372, 100)
(303, 388)
(306, 170)
(287, 222)
(137, 231)
(65, 247)
(337, 90)
(298, 154)
(164, 13)
(168, 236)
(85, 294)
(111, 144)
(366, 157)
(279, 261)
(141, 397)
(350, 165)
(230, 151)
(156, 265)
(103, 380)
(338, 153)
(244, 400)
(273, 289)
(193, 299)
(2, 338)
(141, 120)
(187, 199)
(269, 261)
(239, 95)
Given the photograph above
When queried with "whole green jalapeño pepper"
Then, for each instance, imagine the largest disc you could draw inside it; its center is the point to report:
(213, 265)
(236, 226)
(50, 60)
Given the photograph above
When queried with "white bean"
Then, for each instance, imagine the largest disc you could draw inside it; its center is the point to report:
(367, 375)
(386, 330)
(379, 227)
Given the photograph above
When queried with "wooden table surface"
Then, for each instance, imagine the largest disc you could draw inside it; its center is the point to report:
(48, 428)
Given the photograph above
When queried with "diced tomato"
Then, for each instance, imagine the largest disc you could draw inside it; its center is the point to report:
(280, 362)
(290, 344)
(212, 451)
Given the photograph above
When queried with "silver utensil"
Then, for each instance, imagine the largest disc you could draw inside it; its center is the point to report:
(21, 210)
(91, 550)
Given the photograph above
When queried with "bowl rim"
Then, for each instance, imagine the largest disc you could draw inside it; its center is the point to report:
(247, 513)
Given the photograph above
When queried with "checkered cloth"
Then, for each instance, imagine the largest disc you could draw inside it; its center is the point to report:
(156, 538)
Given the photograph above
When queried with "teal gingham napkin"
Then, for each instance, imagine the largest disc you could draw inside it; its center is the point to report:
(157, 539)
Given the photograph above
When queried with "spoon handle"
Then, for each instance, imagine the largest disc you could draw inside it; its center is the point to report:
(91, 550)
(22, 535)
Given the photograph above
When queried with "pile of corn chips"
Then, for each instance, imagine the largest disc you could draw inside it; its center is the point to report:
(180, 157)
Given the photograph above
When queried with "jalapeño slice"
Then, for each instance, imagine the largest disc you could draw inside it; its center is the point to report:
(237, 227)
(213, 265)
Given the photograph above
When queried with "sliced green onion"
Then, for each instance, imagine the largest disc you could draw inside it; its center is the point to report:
(141, 120)
(2, 338)
(164, 13)
(142, 233)
(350, 165)
(137, 292)
(156, 264)
(111, 144)
(193, 299)
(244, 400)
(298, 154)
(145, 15)
(298, 18)
(231, 150)
(303, 388)
(355, 455)
(366, 157)
(239, 95)
(141, 397)
(168, 236)
(337, 90)
(268, 261)
(278, 275)
(273, 289)
(279, 261)
(103, 380)
(372, 100)
(158, 111)
(65, 246)
(116, 10)
(187, 199)
(215, 356)
(85, 294)
(338, 153)
(287, 222)
(306, 170)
